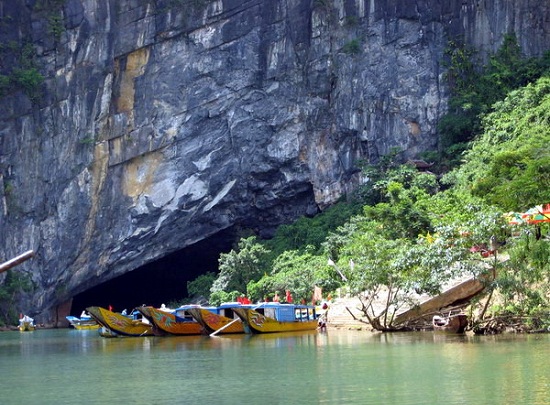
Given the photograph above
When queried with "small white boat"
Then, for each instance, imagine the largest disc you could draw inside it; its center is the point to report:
(26, 324)
(85, 322)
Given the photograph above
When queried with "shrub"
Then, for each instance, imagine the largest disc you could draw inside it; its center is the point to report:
(353, 47)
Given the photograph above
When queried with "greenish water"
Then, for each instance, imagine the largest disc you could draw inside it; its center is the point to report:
(337, 367)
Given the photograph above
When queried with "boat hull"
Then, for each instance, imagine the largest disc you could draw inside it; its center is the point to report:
(168, 323)
(107, 333)
(86, 326)
(27, 327)
(216, 323)
(80, 324)
(26, 323)
(258, 323)
(120, 324)
(451, 324)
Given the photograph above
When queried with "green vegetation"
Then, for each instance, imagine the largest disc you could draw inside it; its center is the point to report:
(477, 88)
(310, 233)
(56, 26)
(294, 271)
(24, 74)
(351, 21)
(238, 268)
(19, 70)
(352, 47)
(5, 83)
(509, 164)
(182, 4)
(14, 283)
(89, 140)
(29, 80)
(52, 10)
(322, 3)
(42, 5)
(8, 188)
(409, 232)
(200, 287)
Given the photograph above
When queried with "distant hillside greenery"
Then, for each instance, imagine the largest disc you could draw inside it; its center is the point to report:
(409, 232)
(509, 163)
(476, 88)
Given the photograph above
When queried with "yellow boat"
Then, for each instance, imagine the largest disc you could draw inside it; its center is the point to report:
(176, 322)
(26, 324)
(120, 324)
(272, 317)
(221, 319)
(86, 326)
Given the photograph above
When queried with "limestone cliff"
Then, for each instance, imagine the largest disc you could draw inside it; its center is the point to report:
(161, 122)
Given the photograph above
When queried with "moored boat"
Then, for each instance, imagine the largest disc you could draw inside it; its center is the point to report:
(220, 319)
(85, 322)
(26, 324)
(120, 324)
(107, 333)
(176, 322)
(272, 317)
(452, 324)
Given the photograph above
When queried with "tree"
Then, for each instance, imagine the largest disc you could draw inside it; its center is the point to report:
(297, 272)
(238, 268)
(526, 291)
(14, 283)
(307, 232)
(386, 270)
(475, 90)
(509, 164)
(200, 287)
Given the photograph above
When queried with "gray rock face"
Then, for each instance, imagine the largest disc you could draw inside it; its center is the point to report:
(162, 122)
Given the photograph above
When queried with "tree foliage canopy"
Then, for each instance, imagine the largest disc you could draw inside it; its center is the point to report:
(509, 164)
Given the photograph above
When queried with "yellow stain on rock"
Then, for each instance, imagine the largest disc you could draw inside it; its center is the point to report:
(139, 174)
(414, 128)
(98, 174)
(135, 66)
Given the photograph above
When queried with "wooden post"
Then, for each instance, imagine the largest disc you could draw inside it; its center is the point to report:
(16, 260)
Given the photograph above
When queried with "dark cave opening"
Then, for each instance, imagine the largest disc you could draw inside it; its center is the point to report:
(163, 281)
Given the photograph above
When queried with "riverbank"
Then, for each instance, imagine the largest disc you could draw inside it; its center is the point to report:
(344, 313)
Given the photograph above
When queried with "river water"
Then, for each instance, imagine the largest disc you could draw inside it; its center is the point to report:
(66, 366)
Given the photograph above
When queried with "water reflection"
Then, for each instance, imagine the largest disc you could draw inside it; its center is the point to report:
(336, 367)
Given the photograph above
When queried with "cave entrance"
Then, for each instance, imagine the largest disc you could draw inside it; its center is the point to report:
(163, 281)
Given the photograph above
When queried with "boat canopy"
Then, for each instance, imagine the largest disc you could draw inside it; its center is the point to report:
(287, 312)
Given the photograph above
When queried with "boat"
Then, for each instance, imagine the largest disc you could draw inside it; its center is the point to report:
(452, 323)
(176, 322)
(26, 324)
(220, 319)
(121, 324)
(85, 322)
(459, 294)
(107, 333)
(273, 317)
